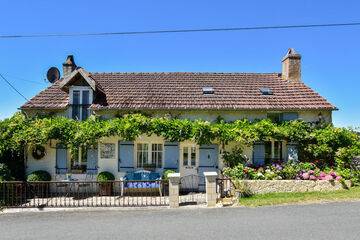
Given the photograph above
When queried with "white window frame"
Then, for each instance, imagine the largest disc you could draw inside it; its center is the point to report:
(81, 89)
(189, 162)
(149, 156)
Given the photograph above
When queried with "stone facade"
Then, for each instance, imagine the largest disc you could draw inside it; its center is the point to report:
(270, 186)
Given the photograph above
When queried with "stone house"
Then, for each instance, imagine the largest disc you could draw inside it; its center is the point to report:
(79, 94)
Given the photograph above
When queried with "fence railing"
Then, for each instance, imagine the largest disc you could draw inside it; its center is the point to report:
(84, 194)
(225, 187)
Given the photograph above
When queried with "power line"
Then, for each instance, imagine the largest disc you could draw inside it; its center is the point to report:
(181, 30)
(24, 79)
(12, 86)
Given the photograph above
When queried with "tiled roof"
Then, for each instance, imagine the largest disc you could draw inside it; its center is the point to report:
(184, 91)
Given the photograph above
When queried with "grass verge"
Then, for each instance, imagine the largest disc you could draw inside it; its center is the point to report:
(288, 198)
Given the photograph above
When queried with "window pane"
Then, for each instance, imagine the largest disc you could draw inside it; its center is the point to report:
(85, 112)
(185, 156)
(76, 97)
(278, 150)
(85, 97)
(267, 152)
(156, 155)
(193, 156)
(76, 112)
(142, 154)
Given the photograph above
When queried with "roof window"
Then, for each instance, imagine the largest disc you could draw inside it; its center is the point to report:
(208, 90)
(266, 91)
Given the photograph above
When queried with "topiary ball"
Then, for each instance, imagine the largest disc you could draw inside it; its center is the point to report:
(105, 176)
(39, 176)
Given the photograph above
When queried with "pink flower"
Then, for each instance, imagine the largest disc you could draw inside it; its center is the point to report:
(328, 177)
(305, 176)
(338, 178)
(312, 177)
(311, 172)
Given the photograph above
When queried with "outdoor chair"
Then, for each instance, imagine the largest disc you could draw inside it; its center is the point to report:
(141, 182)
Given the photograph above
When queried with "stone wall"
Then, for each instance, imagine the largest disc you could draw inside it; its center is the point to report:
(269, 186)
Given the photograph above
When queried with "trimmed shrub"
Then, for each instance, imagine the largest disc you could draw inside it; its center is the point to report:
(38, 176)
(105, 176)
(166, 173)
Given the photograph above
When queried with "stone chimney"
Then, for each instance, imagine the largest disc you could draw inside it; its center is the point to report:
(291, 66)
(69, 65)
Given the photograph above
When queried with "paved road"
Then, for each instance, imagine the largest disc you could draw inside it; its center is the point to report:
(325, 221)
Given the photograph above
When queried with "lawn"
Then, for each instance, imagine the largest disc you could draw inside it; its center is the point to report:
(288, 198)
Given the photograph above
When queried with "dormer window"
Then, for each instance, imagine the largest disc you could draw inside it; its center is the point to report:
(80, 101)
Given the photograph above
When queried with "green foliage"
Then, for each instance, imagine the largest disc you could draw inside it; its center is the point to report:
(5, 174)
(323, 143)
(166, 173)
(38, 176)
(235, 157)
(105, 176)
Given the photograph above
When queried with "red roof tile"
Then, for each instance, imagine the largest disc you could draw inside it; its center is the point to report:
(184, 91)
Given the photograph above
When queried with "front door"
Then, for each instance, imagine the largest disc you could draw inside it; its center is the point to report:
(189, 164)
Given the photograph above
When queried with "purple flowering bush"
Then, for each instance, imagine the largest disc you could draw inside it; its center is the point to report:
(286, 171)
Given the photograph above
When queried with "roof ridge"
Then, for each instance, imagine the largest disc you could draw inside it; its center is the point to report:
(199, 73)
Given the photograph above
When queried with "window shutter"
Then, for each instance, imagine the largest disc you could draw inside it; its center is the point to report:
(126, 156)
(292, 152)
(259, 154)
(92, 161)
(171, 152)
(61, 159)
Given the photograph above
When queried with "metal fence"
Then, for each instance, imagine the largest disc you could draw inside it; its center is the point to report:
(84, 194)
(225, 187)
(192, 190)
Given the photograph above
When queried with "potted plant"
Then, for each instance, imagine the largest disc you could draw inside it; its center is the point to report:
(105, 183)
(39, 185)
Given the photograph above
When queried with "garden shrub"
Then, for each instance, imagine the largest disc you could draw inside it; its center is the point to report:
(105, 176)
(234, 157)
(5, 174)
(39, 176)
(166, 173)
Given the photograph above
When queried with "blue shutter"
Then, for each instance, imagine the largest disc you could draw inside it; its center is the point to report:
(126, 156)
(292, 152)
(259, 154)
(171, 160)
(290, 116)
(61, 159)
(92, 161)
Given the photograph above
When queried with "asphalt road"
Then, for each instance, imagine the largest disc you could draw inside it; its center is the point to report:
(322, 221)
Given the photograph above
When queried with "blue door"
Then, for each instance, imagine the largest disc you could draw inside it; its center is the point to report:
(92, 161)
(61, 159)
(171, 160)
(208, 161)
(126, 156)
(259, 154)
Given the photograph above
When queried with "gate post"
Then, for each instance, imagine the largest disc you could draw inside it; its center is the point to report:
(174, 182)
(210, 181)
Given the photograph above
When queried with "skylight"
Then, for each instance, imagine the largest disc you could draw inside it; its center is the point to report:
(208, 90)
(266, 91)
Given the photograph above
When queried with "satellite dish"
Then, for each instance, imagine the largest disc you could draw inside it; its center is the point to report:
(53, 74)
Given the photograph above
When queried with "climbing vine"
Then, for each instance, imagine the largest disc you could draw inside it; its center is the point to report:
(316, 141)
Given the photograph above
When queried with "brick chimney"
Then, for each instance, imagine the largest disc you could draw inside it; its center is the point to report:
(69, 65)
(291, 66)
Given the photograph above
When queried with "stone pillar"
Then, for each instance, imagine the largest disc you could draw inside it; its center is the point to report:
(210, 181)
(174, 182)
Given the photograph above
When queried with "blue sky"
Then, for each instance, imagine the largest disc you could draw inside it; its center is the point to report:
(330, 55)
